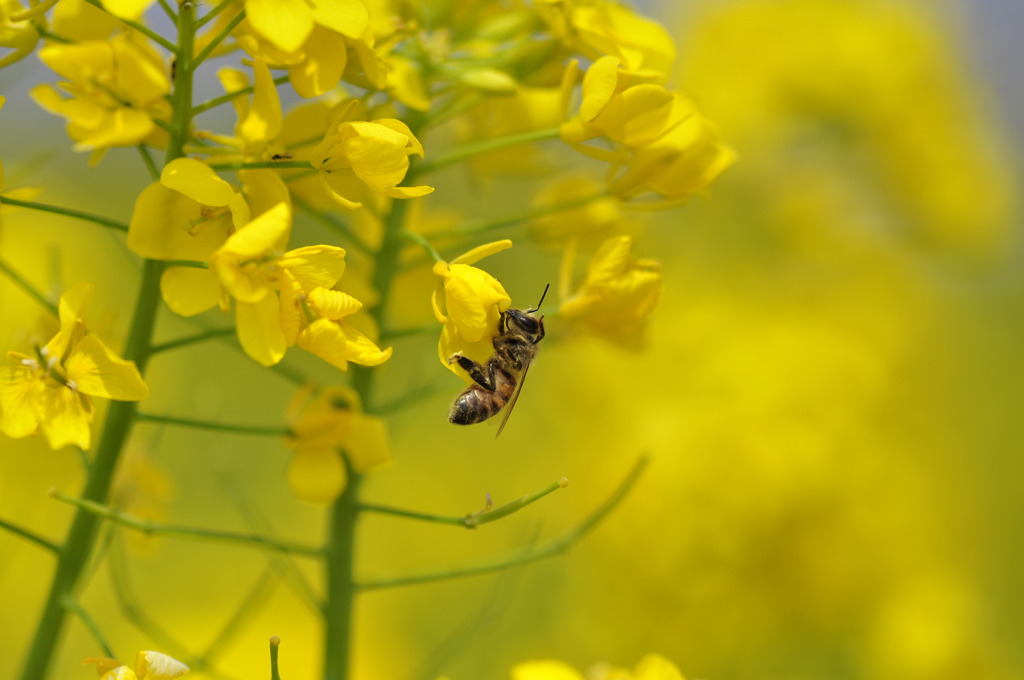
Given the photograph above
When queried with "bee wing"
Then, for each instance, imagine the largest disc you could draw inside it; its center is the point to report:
(512, 402)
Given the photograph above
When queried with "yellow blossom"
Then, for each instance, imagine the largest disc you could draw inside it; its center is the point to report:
(664, 143)
(330, 434)
(18, 29)
(50, 392)
(469, 302)
(259, 117)
(117, 89)
(148, 666)
(330, 337)
(375, 152)
(617, 295)
(287, 23)
(597, 217)
(314, 67)
(599, 28)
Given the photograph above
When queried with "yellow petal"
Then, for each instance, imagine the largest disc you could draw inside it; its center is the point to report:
(158, 666)
(196, 180)
(323, 66)
(333, 186)
(264, 188)
(94, 369)
(64, 416)
(285, 23)
(189, 290)
(366, 445)
(474, 299)
(120, 673)
(315, 266)
(655, 667)
(338, 344)
(19, 394)
(599, 84)
(259, 330)
(166, 225)
(128, 9)
(480, 252)
(333, 304)
(293, 316)
(263, 121)
(317, 475)
(348, 17)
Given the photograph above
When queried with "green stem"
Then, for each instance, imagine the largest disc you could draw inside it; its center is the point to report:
(341, 588)
(422, 243)
(73, 606)
(67, 212)
(473, 520)
(147, 159)
(259, 165)
(150, 528)
(466, 151)
(191, 339)
(218, 39)
(29, 536)
(210, 425)
(144, 30)
(550, 549)
(23, 283)
(225, 98)
(275, 642)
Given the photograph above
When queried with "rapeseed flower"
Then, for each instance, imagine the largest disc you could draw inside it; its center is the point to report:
(375, 152)
(331, 435)
(18, 30)
(259, 117)
(469, 302)
(617, 295)
(117, 89)
(50, 392)
(288, 23)
(148, 666)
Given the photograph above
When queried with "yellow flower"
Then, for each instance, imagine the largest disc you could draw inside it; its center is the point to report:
(148, 666)
(50, 392)
(663, 141)
(259, 117)
(330, 435)
(618, 294)
(599, 28)
(469, 302)
(188, 215)
(287, 23)
(117, 89)
(376, 152)
(328, 336)
(18, 30)
(598, 216)
(314, 67)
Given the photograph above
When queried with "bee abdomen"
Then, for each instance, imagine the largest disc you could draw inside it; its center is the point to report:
(475, 405)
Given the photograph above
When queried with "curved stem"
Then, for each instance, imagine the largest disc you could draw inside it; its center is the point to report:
(67, 212)
(212, 425)
(461, 153)
(27, 287)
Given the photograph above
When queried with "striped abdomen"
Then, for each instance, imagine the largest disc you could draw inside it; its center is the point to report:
(477, 404)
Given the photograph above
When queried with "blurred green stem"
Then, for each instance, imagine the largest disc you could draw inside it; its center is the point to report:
(467, 151)
(67, 212)
(29, 536)
(77, 548)
(256, 430)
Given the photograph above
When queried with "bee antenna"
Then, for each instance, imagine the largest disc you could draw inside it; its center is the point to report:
(542, 296)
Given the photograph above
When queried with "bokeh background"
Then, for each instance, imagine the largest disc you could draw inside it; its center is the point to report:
(829, 394)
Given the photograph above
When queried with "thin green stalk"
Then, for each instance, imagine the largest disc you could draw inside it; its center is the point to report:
(257, 430)
(191, 340)
(218, 39)
(169, 11)
(262, 165)
(422, 243)
(27, 287)
(144, 30)
(67, 212)
(212, 14)
(44, 543)
(275, 642)
(472, 520)
(72, 605)
(150, 528)
(550, 549)
(466, 151)
(225, 98)
(147, 160)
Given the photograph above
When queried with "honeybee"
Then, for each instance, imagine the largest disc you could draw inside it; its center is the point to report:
(496, 386)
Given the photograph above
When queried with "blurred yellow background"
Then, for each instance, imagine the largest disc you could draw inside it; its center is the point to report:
(829, 393)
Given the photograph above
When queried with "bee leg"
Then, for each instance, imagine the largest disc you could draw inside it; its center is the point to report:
(476, 371)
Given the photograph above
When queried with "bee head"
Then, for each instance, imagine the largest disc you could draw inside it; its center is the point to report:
(523, 322)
